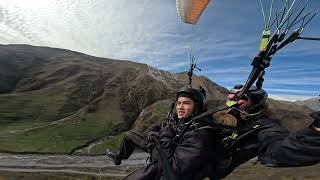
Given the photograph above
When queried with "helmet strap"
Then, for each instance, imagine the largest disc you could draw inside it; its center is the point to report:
(247, 115)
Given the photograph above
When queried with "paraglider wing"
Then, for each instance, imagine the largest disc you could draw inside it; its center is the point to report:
(191, 10)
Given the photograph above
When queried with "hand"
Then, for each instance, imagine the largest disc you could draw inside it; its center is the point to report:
(316, 122)
(152, 134)
(166, 136)
(168, 132)
(315, 115)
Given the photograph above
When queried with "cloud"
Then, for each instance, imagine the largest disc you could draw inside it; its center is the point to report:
(227, 35)
(292, 92)
(291, 98)
(296, 80)
(117, 29)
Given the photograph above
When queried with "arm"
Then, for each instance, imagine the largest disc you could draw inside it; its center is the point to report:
(279, 148)
(152, 130)
(316, 123)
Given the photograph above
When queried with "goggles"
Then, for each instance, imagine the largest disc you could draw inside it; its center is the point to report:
(231, 101)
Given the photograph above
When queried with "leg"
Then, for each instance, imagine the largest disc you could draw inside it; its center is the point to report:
(130, 141)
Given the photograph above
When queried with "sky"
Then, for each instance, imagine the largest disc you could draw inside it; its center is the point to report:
(227, 34)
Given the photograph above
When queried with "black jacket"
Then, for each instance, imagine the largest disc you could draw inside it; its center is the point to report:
(273, 145)
(187, 154)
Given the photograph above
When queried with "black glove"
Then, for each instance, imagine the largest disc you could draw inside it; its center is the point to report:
(317, 123)
(166, 136)
(152, 134)
(155, 154)
(316, 117)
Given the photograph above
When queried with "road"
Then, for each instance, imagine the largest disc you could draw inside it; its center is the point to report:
(90, 165)
(61, 167)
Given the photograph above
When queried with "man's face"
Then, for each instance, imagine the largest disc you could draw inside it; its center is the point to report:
(243, 104)
(184, 107)
(246, 104)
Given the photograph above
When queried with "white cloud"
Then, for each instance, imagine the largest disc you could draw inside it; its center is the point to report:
(291, 98)
(294, 80)
(151, 32)
(118, 29)
(292, 91)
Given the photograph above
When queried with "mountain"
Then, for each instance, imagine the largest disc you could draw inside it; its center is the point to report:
(65, 100)
(60, 101)
(312, 103)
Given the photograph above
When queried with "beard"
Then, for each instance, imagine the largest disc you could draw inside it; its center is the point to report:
(224, 118)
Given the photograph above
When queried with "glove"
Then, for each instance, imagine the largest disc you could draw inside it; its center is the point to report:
(166, 136)
(316, 117)
(317, 123)
(152, 134)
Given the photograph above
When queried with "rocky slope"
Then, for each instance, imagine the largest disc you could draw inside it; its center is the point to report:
(313, 103)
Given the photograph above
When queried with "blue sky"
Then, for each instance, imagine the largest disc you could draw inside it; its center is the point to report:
(228, 35)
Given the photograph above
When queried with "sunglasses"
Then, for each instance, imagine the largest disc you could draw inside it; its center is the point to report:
(241, 101)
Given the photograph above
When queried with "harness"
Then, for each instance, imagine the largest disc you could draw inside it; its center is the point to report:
(231, 142)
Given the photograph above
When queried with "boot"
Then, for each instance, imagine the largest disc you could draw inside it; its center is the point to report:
(115, 158)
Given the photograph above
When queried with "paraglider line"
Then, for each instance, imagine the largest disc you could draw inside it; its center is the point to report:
(286, 17)
(286, 4)
(311, 18)
(270, 14)
(302, 10)
(264, 16)
(303, 18)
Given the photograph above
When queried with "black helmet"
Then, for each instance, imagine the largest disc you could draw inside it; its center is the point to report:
(257, 96)
(196, 95)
